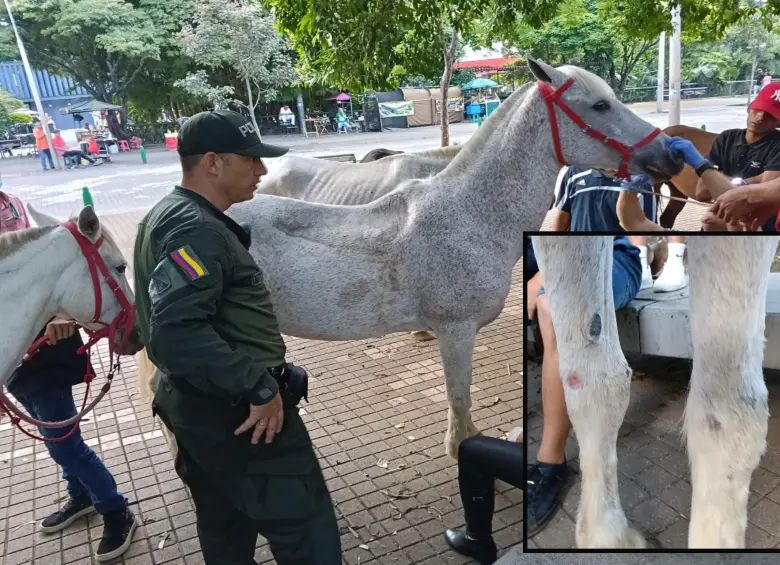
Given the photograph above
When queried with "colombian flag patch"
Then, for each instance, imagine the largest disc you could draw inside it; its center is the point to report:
(185, 258)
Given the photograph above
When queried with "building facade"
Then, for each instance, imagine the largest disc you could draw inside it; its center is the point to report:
(55, 91)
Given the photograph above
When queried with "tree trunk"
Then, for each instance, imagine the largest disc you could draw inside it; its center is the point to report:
(252, 107)
(449, 56)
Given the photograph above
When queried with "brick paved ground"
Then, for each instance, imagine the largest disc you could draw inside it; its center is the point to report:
(655, 487)
(371, 400)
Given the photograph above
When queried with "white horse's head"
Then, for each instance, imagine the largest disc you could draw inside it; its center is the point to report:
(590, 98)
(75, 289)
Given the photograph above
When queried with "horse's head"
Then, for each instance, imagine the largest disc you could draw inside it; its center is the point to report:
(377, 154)
(79, 298)
(578, 95)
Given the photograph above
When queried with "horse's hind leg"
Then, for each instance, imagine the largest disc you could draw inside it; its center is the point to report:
(456, 344)
(726, 413)
(577, 276)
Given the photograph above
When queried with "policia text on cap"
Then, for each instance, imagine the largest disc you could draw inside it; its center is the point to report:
(225, 390)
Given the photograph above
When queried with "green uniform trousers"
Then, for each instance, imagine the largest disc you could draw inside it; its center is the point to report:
(241, 490)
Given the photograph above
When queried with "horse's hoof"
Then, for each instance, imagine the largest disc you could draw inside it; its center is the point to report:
(423, 336)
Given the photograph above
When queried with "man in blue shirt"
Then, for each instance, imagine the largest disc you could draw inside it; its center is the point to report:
(586, 201)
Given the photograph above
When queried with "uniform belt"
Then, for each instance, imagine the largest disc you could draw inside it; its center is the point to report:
(183, 385)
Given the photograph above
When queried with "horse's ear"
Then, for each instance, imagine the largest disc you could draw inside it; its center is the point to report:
(88, 223)
(543, 72)
(40, 218)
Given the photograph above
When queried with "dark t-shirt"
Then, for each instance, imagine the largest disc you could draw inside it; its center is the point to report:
(590, 197)
(53, 365)
(735, 157)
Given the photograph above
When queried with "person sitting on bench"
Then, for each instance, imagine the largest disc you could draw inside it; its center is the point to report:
(64, 151)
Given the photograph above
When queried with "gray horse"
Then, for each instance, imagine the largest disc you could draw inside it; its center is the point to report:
(437, 253)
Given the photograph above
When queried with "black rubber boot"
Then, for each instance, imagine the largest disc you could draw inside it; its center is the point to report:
(477, 540)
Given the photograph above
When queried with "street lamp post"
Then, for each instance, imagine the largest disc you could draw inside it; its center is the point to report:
(674, 69)
(33, 87)
(659, 99)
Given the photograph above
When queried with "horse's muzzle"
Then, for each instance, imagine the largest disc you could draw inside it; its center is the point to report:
(132, 345)
(658, 161)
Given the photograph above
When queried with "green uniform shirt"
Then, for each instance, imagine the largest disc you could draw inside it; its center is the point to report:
(203, 311)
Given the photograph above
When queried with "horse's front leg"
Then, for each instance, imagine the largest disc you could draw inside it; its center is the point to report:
(577, 276)
(456, 344)
(726, 412)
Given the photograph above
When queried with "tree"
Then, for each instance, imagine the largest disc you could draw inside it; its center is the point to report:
(7, 105)
(242, 37)
(103, 45)
(357, 45)
(586, 33)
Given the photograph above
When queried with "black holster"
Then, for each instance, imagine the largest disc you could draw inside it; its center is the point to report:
(293, 384)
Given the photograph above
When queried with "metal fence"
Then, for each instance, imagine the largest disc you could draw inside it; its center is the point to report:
(688, 91)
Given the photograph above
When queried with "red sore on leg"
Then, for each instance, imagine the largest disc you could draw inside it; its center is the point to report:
(574, 381)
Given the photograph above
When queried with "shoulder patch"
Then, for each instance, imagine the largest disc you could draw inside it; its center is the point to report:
(257, 278)
(188, 261)
(165, 278)
(159, 283)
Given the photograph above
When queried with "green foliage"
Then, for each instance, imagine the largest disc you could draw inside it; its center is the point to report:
(240, 36)
(102, 44)
(587, 33)
(357, 45)
(21, 119)
(7, 105)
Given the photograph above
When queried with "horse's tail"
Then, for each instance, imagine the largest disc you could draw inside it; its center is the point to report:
(146, 371)
(148, 380)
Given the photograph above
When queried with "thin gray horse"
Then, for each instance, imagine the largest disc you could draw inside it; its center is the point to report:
(437, 253)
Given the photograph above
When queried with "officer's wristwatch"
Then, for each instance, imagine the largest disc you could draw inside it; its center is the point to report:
(705, 166)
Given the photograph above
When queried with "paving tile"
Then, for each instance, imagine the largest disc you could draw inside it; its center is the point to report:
(653, 516)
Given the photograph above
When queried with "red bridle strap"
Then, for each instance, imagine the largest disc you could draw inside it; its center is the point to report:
(124, 320)
(553, 97)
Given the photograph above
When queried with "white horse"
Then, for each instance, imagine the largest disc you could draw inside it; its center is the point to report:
(726, 412)
(331, 182)
(43, 273)
(438, 253)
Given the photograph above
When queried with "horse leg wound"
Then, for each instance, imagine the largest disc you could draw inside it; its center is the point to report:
(577, 275)
(726, 412)
(456, 344)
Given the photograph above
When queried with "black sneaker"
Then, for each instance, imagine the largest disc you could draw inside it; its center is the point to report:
(74, 509)
(118, 528)
(545, 489)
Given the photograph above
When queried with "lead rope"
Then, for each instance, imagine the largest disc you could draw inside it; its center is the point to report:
(654, 193)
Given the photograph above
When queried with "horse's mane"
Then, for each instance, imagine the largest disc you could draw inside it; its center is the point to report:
(13, 241)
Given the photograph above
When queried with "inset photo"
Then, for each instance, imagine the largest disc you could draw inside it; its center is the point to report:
(652, 391)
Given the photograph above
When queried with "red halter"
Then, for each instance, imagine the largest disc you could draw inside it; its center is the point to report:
(552, 97)
(124, 320)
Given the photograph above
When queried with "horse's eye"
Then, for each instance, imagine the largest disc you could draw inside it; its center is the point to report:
(601, 106)
(121, 269)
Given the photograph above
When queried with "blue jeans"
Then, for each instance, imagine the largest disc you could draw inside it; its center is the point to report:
(45, 154)
(84, 472)
(626, 275)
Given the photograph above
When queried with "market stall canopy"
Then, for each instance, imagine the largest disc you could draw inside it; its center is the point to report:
(89, 106)
(25, 111)
(478, 83)
(343, 97)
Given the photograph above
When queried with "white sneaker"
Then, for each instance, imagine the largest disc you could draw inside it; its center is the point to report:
(672, 278)
(647, 278)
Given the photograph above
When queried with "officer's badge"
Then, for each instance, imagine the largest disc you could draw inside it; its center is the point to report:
(257, 278)
(159, 284)
(188, 261)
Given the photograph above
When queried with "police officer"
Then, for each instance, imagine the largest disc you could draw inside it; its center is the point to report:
(225, 390)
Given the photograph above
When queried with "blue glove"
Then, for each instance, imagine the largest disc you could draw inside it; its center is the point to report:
(641, 182)
(687, 149)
